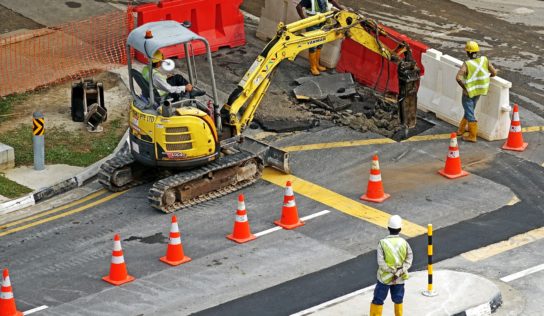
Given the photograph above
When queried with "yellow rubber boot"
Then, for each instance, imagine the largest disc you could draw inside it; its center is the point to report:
(462, 127)
(398, 309)
(318, 58)
(313, 64)
(472, 132)
(376, 310)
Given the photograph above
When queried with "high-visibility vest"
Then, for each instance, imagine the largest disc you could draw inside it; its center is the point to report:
(146, 75)
(395, 250)
(316, 8)
(477, 80)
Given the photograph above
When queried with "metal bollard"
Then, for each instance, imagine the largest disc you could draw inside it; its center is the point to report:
(38, 129)
(429, 292)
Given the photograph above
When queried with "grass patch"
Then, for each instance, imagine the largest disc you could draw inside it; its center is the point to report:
(78, 148)
(11, 189)
(6, 104)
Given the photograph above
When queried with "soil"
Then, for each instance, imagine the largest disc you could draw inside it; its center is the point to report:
(54, 103)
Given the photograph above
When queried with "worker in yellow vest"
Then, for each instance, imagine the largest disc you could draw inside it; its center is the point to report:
(307, 8)
(473, 77)
(394, 259)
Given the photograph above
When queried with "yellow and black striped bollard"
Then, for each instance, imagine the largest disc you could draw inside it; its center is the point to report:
(430, 292)
(38, 143)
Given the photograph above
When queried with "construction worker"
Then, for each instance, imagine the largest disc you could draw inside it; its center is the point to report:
(394, 259)
(312, 7)
(473, 77)
(175, 86)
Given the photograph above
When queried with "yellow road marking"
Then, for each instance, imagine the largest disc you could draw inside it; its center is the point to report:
(514, 200)
(503, 246)
(383, 141)
(61, 215)
(339, 202)
(55, 210)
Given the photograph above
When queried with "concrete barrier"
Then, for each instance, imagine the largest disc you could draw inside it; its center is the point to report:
(439, 93)
(276, 11)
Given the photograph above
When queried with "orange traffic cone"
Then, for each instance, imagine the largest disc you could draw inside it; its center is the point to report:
(289, 212)
(7, 301)
(374, 189)
(515, 136)
(241, 232)
(118, 269)
(174, 252)
(452, 169)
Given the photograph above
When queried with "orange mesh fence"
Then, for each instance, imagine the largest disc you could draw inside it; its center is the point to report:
(50, 55)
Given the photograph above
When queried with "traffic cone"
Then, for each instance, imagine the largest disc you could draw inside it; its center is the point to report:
(374, 189)
(289, 212)
(174, 252)
(452, 169)
(118, 269)
(241, 232)
(7, 301)
(515, 136)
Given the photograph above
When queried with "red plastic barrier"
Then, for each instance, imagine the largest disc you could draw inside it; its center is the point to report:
(370, 69)
(219, 21)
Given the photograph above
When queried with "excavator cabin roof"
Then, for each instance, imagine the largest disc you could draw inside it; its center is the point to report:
(164, 33)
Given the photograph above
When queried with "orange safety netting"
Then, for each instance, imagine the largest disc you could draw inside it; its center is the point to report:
(50, 55)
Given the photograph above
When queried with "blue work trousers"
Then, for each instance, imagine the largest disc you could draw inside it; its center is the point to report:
(469, 104)
(381, 290)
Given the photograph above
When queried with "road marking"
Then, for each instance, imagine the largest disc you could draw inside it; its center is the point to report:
(521, 274)
(34, 310)
(61, 215)
(339, 202)
(503, 246)
(384, 141)
(305, 218)
(515, 200)
(334, 301)
(55, 210)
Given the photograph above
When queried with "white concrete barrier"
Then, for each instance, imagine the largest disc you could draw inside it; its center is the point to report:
(439, 93)
(276, 11)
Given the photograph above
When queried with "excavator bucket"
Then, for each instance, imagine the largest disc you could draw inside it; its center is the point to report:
(270, 155)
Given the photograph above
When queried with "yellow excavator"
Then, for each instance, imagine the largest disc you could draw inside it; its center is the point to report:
(195, 150)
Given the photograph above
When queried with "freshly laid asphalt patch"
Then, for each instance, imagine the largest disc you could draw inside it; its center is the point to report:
(526, 179)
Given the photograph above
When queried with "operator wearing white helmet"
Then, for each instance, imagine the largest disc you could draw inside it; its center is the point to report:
(394, 259)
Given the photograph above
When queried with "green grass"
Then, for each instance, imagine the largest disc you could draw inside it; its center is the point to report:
(79, 148)
(6, 104)
(12, 189)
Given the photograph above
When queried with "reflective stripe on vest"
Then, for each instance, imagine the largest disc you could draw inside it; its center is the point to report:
(477, 82)
(316, 8)
(395, 250)
(145, 74)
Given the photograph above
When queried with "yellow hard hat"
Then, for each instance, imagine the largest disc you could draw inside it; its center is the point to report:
(158, 56)
(472, 47)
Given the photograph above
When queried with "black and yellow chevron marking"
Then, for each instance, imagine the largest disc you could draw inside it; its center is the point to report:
(38, 127)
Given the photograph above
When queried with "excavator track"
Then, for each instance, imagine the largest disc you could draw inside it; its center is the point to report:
(175, 192)
(122, 162)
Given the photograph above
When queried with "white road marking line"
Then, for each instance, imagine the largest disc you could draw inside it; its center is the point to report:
(523, 273)
(305, 218)
(34, 310)
(333, 301)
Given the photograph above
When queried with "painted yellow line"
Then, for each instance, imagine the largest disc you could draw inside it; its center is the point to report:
(514, 200)
(339, 202)
(55, 210)
(384, 141)
(503, 246)
(61, 215)
(349, 143)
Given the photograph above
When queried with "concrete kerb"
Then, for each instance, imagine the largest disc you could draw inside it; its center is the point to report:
(63, 186)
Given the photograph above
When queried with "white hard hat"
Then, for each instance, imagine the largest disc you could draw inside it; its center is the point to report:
(168, 65)
(395, 222)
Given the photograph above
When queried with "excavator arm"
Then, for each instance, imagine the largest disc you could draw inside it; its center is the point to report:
(290, 41)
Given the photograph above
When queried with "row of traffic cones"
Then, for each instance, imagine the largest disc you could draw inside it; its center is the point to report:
(289, 219)
(452, 168)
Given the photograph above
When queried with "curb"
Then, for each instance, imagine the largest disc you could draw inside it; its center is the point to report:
(483, 309)
(63, 186)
